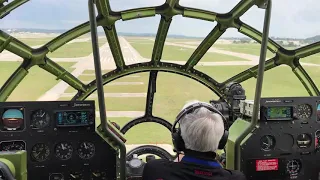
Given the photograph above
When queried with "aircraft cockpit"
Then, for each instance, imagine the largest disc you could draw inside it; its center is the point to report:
(270, 138)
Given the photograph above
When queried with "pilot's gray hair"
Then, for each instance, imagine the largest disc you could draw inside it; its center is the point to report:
(202, 129)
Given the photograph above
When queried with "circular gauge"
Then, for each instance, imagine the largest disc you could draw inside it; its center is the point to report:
(304, 140)
(12, 146)
(267, 142)
(40, 152)
(86, 150)
(76, 175)
(293, 166)
(304, 111)
(64, 150)
(97, 175)
(40, 119)
(56, 176)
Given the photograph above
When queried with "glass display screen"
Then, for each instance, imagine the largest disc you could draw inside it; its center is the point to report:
(318, 112)
(73, 118)
(280, 112)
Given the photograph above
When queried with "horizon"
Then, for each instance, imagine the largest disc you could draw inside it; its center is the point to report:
(61, 31)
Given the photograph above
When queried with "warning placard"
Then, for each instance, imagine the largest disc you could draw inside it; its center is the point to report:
(267, 165)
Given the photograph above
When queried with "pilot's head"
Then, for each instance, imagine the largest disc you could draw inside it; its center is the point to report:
(201, 129)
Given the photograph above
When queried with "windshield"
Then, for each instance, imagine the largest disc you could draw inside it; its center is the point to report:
(62, 66)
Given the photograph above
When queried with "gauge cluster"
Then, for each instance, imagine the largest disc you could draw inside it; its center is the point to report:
(286, 143)
(59, 138)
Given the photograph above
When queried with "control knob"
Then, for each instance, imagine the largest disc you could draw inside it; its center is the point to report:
(135, 166)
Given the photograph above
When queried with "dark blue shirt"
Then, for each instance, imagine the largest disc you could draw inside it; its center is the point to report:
(188, 169)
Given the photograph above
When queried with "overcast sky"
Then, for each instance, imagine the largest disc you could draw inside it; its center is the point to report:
(290, 18)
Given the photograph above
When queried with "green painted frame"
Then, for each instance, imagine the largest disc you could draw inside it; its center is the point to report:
(106, 18)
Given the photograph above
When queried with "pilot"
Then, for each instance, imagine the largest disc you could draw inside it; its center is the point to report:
(201, 133)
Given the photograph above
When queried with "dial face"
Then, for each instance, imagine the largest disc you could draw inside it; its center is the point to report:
(293, 166)
(304, 111)
(56, 176)
(64, 150)
(304, 140)
(86, 150)
(40, 119)
(267, 142)
(76, 175)
(40, 152)
(98, 175)
(12, 145)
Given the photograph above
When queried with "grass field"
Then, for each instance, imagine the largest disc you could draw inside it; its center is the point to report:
(36, 83)
(74, 50)
(35, 41)
(180, 54)
(315, 59)
(253, 49)
(171, 52)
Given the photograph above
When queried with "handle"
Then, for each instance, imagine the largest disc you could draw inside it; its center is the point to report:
(256, 105)
(102, 107)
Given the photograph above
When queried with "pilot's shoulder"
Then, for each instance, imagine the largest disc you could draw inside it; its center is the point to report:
(236, 174)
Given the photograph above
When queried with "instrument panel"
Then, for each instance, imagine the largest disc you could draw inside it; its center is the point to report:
(286, 143)
(60, 140)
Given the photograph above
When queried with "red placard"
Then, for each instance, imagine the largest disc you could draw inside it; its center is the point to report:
(267, 165)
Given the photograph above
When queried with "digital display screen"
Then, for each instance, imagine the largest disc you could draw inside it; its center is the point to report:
(74, 118)
(277, 113)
